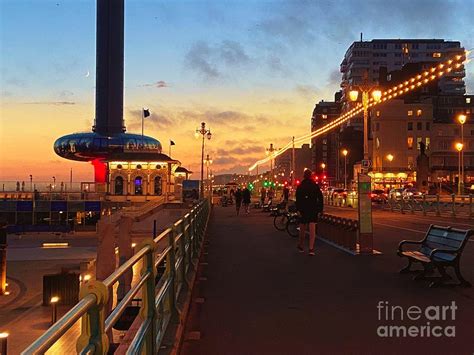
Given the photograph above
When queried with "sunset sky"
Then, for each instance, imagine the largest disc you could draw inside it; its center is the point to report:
(252, 70)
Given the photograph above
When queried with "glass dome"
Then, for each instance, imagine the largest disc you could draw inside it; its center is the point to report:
(90, 145)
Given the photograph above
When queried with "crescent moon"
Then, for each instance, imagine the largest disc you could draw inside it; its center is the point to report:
(88, 74)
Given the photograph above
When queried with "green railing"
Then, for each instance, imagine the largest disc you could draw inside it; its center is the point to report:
(183, 241)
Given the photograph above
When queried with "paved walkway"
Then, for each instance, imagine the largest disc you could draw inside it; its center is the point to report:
(263, 297)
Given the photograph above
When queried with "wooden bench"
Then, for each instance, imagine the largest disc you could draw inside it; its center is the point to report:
(441, 247)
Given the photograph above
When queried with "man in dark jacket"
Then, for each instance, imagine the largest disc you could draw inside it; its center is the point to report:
(309, 202)
(246, 199)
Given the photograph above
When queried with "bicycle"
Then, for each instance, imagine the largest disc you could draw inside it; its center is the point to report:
(281, 217)
(292, 224)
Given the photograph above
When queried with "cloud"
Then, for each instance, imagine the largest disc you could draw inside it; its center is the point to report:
(158, 120)
(199, 60)
(158, 84)
(308, 92)
(59, 103)
(213, 61)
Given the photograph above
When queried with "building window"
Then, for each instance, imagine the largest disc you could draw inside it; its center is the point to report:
(138, 183)
(410, 126)
(436, 55)
(377, 113)
(410, 162)
(377, 142)
(324, 117)
(410, 112)
(428, 126)
(157, 188)
(427, 142)
(410, 142)
(468, 100)
(419, 112)
(118, 185)
(419, 126)
(418, 141)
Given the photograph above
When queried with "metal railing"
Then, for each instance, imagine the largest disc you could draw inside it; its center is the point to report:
(158, 299)
(439, 205)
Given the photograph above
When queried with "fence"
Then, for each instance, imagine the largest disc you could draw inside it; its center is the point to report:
(158, 298)
(452, 205)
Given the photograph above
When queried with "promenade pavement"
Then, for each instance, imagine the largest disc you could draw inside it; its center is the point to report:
(263, 297)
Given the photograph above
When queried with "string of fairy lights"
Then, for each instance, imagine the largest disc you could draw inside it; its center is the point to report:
(421, 79)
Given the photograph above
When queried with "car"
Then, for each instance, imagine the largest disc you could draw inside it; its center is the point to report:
(395, 194)
(339, 193)
(411, 192)
(378, 196)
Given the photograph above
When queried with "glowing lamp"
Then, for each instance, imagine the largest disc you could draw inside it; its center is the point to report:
(462, 119)
(54, 299)
(345, 152)
(459, 146)
(353, 95)
(390, 157)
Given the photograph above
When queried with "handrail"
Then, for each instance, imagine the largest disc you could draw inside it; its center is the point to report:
(55, 332)
(109, 281)
(159, 298)
(117, 312)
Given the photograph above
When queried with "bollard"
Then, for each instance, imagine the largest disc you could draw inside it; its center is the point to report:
(453, 202)
(54, 309)
(3, 343)
(470, 206)
(424, 205)
(438, 213)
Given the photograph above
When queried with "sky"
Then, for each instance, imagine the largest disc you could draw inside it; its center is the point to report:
(252, 70)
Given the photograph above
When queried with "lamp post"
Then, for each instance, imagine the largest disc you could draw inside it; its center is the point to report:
(345, 152)
(459, 147)
(269, 151)
(204, 132)
(31, 183)
(376, 96)
(208, 162)
(462, 119)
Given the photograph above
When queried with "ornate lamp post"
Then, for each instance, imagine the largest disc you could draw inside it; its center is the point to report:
(459, 147)
(376, 96)
(269, 151)
(462, 119)
(345, 152)
(204, 132)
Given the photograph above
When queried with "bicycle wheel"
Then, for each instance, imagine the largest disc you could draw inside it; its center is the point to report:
(280, 222)
(292, 227)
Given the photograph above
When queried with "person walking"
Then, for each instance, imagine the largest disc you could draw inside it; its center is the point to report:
(246, 199)
(286, 194)
(263, 195)
(238, 200)
(309, 202)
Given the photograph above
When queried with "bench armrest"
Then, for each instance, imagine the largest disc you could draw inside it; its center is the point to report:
(408, 242)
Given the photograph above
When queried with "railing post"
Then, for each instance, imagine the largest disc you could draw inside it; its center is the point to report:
(453, 202)
(189, 242)
(171, 272)
(182, 248)
(147, 310)
(93, 322)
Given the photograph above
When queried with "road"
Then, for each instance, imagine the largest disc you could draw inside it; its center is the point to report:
(260, 296)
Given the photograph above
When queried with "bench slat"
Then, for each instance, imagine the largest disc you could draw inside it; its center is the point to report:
(443, 242)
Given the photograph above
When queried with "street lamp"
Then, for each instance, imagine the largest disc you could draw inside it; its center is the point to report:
(389, 157)
(376, 96)
(462, 119)
(345, 152)
(269, 151)
(208, 162)
(205, 133)
(459, 147)
(323, 166)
